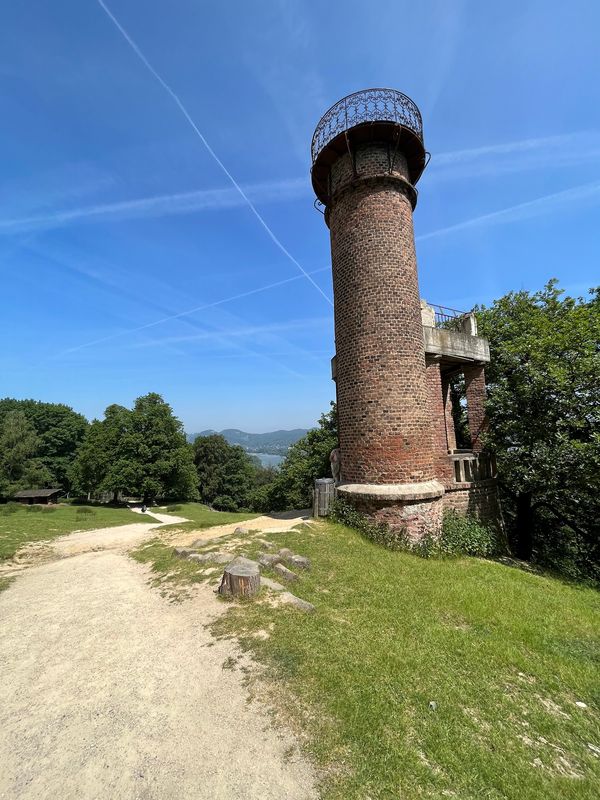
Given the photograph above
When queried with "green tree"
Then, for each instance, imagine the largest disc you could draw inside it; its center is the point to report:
(544, 411)
(20, 467)
(141, 452)
(59, 429)
(306, 460)
(89, 470)
(153, 458)
(226, 473)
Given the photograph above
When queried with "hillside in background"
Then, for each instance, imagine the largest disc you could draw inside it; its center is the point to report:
(275, 442)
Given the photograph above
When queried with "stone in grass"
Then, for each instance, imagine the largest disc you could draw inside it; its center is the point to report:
(241, 531)
(301, 562)
(276, 587)
(268, 559)
(216, 558)
(297, 602)
(184, 552)
(285, 573)
(285, 553)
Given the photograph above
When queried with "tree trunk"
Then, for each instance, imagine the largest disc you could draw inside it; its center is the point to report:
(241, 578)
(524, 526)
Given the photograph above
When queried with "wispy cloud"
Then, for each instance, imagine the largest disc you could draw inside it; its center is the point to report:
(161, 205)
(577, 196)
(544, 152)
(180, 105)
(293, 84)
(186, 313)
(242, 332)
(447, 22)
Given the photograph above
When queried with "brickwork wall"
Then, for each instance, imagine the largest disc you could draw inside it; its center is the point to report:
(479, 499)
(383, 401)
(475, 391)
(415, 520)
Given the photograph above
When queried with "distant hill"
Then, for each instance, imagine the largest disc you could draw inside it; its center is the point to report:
(276, 442)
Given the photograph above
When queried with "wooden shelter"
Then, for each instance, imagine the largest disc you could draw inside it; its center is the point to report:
(32, 496)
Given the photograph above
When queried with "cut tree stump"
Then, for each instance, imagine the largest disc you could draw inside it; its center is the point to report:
(241, 578)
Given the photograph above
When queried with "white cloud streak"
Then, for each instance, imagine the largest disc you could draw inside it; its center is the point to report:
(236, 333)
(209, 149)
(160, 205)
(544, 152)
(188, 312)
(578, 195)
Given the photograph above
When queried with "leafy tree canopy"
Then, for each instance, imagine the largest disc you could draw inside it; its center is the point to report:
(20, 466)
(544, 411)
(226, 473)
(59, 429)
(142, 452)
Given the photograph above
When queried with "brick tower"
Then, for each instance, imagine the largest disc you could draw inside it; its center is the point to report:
(368, 154)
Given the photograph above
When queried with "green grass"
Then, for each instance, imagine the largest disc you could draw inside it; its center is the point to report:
(201, 516)
(5, 583)
(502, 653)
(23, 526)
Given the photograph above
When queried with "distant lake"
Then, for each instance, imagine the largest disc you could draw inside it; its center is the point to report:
(268, 459)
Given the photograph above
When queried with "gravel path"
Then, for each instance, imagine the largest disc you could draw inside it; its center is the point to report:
(107, 691)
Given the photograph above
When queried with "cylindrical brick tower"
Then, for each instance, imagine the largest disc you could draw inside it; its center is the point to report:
(368, 154)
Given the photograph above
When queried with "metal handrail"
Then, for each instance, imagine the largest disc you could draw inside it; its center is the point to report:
(368, 105)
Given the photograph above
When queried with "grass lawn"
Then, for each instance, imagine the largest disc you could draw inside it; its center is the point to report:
(23, 526)
(201, 516)
(503, 655)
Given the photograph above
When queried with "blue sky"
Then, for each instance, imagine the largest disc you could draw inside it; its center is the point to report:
(115, 220)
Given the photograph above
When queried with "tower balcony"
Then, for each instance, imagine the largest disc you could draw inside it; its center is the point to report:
(371, 115)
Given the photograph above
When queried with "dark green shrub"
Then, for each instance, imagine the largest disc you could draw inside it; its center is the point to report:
(48, 509)
(12, 507)
(461, 536)
(174, 508)
(85, 511)
(225, 503)
(33, 508)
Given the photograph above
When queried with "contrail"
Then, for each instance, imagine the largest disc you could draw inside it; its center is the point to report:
(212, 153)
(184, 313)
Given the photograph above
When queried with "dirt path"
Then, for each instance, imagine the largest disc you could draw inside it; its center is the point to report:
(107, 691)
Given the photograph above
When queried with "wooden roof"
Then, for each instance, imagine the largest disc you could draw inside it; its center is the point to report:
(37, 493)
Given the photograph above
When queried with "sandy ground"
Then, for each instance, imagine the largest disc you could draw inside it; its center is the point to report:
(107, 691)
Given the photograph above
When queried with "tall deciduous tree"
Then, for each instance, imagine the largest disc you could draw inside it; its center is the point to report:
(59, 429)
(20, 467)
(141, 452)
(226, 473)
(544, 411)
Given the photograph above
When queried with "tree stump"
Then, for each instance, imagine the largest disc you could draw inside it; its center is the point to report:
(241, 578)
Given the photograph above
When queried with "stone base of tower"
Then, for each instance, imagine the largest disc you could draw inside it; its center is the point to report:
(478, 499)
(414, 510)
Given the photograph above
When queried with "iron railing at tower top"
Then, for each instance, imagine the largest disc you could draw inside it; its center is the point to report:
(368, 105)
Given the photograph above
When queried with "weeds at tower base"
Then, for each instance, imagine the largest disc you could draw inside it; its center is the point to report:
(461, 535)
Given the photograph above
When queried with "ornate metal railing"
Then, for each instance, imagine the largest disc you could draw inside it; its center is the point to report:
(369, 105)
(448, 317)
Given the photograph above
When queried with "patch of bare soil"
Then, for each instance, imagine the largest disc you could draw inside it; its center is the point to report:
(110, 692)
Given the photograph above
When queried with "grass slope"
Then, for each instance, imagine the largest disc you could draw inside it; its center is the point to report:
(23, 526)
(504, 655)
